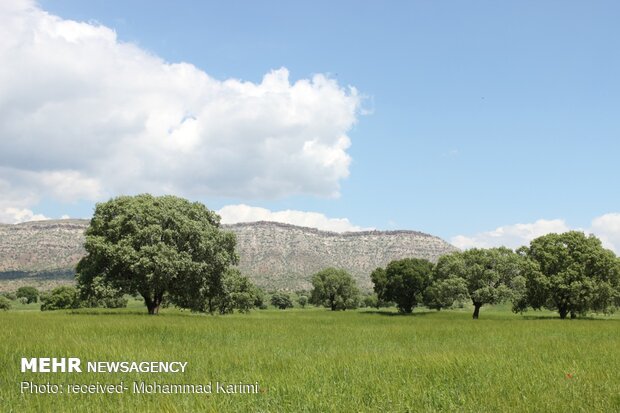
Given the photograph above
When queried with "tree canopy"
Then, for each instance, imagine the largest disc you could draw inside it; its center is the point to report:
(281, 300)
(403, 281)
(335, 289)
(485, 276)
(31, 294)
(238, 292)
(60, 298)
(158, 247)
(574, 274)
(5, 303)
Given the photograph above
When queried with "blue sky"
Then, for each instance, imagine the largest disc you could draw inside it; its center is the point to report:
(471, 117)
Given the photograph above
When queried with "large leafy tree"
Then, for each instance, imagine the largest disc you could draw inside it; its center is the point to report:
(444, 293)
(485, 276)
(334, 288)
(158, 247)
(98, 293)
(575, 274)
(403, 282)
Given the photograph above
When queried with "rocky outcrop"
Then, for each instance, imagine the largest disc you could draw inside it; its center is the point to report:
(274, 255)
(42, 245)
(285, 256)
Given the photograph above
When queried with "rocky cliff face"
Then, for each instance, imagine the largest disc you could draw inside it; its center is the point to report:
(42, 245)
(274, 255)
(285, 256)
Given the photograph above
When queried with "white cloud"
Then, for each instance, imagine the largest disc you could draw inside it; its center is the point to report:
(84, 116)
(12, 215)
(510, 235)
(605, 227)
(232, 214)
(14, 204)
(69, 185)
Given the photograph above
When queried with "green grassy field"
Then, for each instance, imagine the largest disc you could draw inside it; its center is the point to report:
(318, 361)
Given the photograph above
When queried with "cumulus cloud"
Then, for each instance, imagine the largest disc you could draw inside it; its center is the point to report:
(12, 215)
(605, 227)
(14, 204)
(85, 116)
(510, 235)
(232, 214)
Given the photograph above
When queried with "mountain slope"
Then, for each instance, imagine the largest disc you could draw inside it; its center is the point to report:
(280, 255)
(274, 255)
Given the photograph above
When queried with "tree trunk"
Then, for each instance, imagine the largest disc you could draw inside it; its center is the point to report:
(573, 315)
(563, 311)
(153, 308)
(476, 310)
(152, 304)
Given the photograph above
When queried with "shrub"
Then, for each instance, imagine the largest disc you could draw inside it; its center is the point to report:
(237, 293)
(5, 304)
(281, 301)
(11, 296)
(60, 298)
(302, 300)
(259, 300)
(370, 300)
(30, 293)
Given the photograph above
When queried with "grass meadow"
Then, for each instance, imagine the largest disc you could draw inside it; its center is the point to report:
(315, 360)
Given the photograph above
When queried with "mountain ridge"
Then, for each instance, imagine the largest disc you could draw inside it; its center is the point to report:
(274, 255)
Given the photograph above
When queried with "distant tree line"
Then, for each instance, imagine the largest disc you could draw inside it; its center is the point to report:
(570, 273)
(170, 251)
(65, 297)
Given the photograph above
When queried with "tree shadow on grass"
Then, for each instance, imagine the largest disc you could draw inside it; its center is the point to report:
(557, 317)
(106, 312)
(112, 312)
(396, 314)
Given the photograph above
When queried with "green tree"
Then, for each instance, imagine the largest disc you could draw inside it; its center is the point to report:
(372, 300)
(158, 247)
(98, 293)
(238, 293)
(484, 276)
(334, 289)
(574, 274)
(5, 303)
(444, 293)
(380, 285)
(60, 298)
(30, 293)
(259, 299)
(10, 295)
(281, 300)
(403, 282)
(303, 301)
